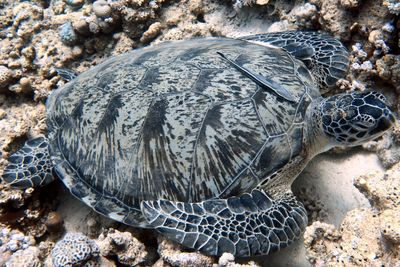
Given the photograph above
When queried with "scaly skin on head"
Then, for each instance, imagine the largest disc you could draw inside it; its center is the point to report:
(347, 120)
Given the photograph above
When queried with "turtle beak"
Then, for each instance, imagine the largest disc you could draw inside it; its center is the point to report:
(386, 122)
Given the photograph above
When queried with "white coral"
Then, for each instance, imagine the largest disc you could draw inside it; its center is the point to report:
(75, 249)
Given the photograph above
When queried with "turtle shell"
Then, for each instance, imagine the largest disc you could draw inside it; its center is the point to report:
(175, 121)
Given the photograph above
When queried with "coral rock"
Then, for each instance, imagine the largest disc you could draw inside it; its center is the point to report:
(393, 6)
(6, 77)
(170, 252)
(349, 3)
(390, 225)
(225, 259)
(388, 68)
(381, 188)
(303, 16)
(357, 243)
(75, 249)
(151, 32)
(128, 249)
(29, 257)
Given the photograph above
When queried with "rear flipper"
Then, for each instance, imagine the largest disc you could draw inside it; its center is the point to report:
(30, 166)
(247, 225)
(325, 56)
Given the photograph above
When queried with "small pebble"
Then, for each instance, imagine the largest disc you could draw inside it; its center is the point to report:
(374, 36)
(3, 114)
(67, 34)
(388, 27)
(25, 84)
(81, 26)
(101, 9)
(12, 245)
(18, 237)
(75, 3)
(54, 222)
(5, 232)
(225, 259)
(262, 2)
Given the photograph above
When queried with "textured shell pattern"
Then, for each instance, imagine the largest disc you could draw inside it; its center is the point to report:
(176, 121)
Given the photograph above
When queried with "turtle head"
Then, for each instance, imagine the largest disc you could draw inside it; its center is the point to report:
(352, 119)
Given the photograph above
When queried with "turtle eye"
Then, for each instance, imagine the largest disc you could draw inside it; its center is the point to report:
(363, 122)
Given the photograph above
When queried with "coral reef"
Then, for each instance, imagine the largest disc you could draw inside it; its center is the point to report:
(30, 257)
(366, 237)
(17, 247)
(122, 245)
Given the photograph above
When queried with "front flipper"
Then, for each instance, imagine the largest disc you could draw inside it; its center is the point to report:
(325, 56)
(247, 225)
(30, 166)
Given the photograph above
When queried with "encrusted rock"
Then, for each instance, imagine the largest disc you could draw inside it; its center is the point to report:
(171, 253)
(228, 260)
(14, 240)
(151, 32)
(390, 225)
(30, 257)
(6, 77)
(388, 68)
(393, 6)
(349, 3)
(75, 249)
(123, 245)
(67, 33)
(366, 237)
(381, 188)
(304, 16)
(225, 259)
(356, 243)
(81, 26)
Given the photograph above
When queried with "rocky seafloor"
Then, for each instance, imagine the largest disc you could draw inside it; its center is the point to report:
(38, 36)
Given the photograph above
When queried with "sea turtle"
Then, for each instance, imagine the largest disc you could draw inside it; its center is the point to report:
(201, 139)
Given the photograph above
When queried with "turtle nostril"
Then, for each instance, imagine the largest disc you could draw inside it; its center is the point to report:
(392, 118)
(389, 115)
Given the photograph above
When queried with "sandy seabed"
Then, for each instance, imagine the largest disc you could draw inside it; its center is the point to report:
(352, 196)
